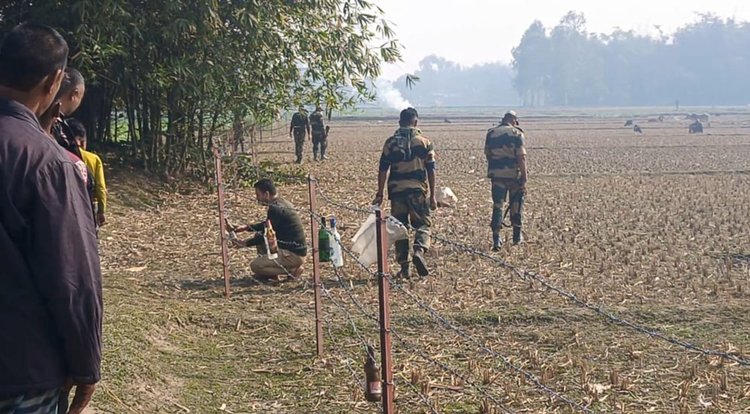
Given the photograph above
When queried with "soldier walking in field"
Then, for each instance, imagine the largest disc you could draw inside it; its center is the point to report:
(506, 167)
(319, 133)
(410, 158)
(300, 128)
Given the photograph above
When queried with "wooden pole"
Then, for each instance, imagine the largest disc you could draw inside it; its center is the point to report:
(384, 292)
(312, 187)
(222, 218)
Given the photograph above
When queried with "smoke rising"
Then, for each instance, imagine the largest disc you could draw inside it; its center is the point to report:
(390, 97)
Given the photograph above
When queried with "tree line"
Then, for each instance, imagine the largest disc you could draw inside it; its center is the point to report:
(705, 62)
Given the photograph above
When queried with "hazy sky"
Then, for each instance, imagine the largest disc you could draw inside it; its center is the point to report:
(478, 31)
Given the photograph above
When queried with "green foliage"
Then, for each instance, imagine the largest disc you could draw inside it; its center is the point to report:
(242, 172)
(179, 69)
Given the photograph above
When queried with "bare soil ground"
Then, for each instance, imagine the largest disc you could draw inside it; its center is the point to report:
(652, 227)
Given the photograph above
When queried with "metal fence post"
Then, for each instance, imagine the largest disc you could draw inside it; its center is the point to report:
(222, 217)
(384, 292)
(312, 185)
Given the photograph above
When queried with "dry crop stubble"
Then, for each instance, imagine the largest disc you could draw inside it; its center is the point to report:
(652, 227)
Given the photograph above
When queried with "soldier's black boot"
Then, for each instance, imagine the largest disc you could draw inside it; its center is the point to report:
(323, 154)
(315, 156)
(497, 242)
(404, 273)
(517, 236)
(419, 262)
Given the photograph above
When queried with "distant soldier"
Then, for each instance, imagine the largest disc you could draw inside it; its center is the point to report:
(319, 133)
(300, 128)
(506, 167)
(410, 158)
(696, 127)
(637, 129)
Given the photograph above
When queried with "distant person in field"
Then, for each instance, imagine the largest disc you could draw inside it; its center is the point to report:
(300, 129)
(506, 166)
(319, 133)
(696, 127)
(95, 167)
(290, 234)
(408, 164)
(50, 279)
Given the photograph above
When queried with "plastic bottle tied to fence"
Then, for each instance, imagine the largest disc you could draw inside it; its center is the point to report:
(324, 242)
(272, 247)
(337, 256)
(373, 387)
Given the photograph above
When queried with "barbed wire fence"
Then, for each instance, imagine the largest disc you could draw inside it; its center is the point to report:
(483, 391)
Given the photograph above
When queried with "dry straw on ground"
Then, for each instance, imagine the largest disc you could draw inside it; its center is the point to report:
(652, 227)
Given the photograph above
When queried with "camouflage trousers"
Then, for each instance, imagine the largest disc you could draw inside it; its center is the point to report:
(299, 142)
(319, 140)
(502, 188)
(412, 209)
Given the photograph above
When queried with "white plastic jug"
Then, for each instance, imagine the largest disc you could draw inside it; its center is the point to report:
(365, 240)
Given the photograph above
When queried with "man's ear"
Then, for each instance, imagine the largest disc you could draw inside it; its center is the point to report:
(53, 81)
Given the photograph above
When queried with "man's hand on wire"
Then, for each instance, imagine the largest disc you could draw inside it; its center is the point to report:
(378, 199)
(228, 226)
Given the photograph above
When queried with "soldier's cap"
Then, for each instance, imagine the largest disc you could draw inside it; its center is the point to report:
(318, 108)
(509, 114)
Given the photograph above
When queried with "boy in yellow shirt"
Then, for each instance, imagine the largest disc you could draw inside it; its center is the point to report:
(95, 166)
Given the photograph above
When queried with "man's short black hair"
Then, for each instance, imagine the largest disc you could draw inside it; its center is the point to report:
(408, 116)
(71, 80)
(29, 53)
(265, 185)
(77, 128)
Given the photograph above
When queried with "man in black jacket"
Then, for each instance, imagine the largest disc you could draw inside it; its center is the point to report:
(290, 234)
(50, 280)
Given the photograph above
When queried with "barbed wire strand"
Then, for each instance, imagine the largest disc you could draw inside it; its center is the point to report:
(447, 368)
(506, 361)
(376, 321)
(529, 376)
(598, 309)
(358, 378)
(441, 365)
(527, 275)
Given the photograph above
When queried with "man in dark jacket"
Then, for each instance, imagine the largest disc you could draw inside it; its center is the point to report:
(290, 234)
(300, 128)
(50, 280)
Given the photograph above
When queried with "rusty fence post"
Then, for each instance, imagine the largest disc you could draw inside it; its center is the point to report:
(312, 185)
(222, 217)
(384, 293)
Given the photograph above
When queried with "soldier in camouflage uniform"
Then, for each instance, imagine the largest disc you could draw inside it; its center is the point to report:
(410, 158)
(319, 133)
(300, 127)
(506, 167)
